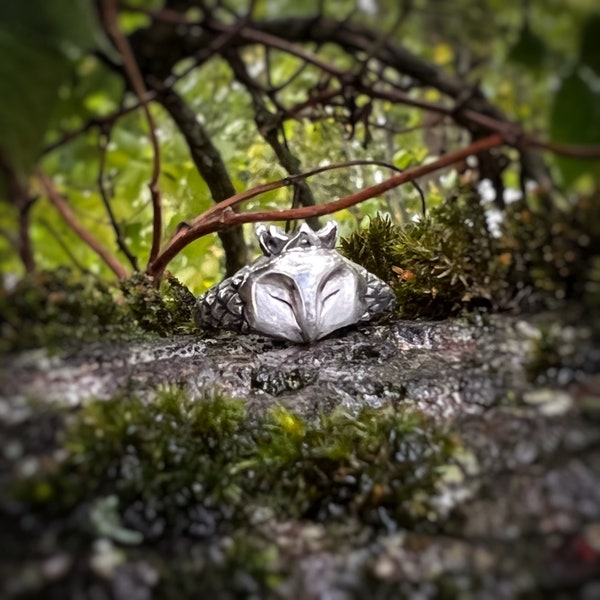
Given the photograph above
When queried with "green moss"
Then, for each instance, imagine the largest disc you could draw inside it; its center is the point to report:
(436, 265)
(155, 450)
(58, 307)
(448, 261)
(61, 308)
(177, 452)
(353, 466)
(174, 477)
(166, 311)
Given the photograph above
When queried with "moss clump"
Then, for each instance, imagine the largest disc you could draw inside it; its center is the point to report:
(436, 265)
(60, 308)
(53, 308)
(178, 454)
(166, 311)
(156, 451)
(553, 252)
(189, 486)
(353, 466)
(448, 261)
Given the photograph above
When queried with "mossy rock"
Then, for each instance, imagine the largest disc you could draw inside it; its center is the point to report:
(174, 478)
(62, 309)
(437, 265)
(449, 261)
(174, 451)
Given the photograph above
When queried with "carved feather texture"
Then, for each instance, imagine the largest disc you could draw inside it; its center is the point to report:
(301, 290)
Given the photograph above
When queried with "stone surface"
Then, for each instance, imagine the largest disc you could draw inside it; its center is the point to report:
(444, 368)
(524, 515)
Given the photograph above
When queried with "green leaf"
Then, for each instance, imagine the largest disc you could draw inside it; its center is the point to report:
(529, 50)
(29, 84)
(57, 24)
(38, 40)
(590, 48)
(575, 119)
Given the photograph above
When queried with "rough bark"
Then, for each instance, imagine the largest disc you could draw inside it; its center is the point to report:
(519, 511)
(354, 38)
(269, 125)
(210, 165)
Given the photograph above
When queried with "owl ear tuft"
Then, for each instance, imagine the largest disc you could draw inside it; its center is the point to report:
(328, 234)
(271, 240)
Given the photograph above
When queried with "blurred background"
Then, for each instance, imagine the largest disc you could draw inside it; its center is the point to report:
(243, 93)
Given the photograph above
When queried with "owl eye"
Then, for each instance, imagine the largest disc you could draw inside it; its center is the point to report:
(283, 300)
(330, 295)
(332, 284)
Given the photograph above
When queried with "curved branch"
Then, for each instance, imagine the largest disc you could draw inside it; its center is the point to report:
(71, 220)
(137, 82)
(222, 216)
(103, 140)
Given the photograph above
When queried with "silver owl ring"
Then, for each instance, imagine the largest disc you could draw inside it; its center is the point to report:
(301, 290)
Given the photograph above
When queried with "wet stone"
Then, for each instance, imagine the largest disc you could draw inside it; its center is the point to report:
(277, 382)
(513, 509)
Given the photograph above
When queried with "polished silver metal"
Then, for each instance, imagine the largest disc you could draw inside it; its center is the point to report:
(301, 290)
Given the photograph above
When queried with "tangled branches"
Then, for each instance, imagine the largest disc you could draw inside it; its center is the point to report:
(348, 93)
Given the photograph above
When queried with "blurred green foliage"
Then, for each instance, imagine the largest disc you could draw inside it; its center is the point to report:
(536, 61)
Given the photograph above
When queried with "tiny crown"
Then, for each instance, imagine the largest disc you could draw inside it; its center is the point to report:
(273, 240)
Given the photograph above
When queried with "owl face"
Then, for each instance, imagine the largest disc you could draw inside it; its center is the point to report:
(301, 289)
(303, 295)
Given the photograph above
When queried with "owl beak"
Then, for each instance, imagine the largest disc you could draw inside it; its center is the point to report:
(303, 302)
(309, 312)
(309, 324)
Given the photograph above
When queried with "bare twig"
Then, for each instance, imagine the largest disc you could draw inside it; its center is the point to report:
(570, 150)
(512, 132)
(71, 220)
(64, 246)
(109, 120)
(269, 127)
(250, 34)
(222, 216)
(379, 43)
(137, 82)
(103, 140)
(19, 197)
